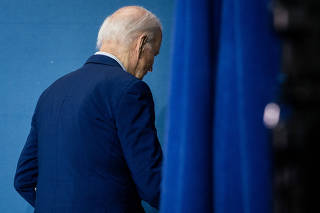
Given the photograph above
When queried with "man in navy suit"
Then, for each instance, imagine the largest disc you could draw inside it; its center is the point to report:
(93, 145)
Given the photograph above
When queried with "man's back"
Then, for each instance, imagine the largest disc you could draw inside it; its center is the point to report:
(96, 145)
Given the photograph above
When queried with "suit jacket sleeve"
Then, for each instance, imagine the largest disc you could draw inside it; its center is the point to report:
(138, 137)
(25, 180)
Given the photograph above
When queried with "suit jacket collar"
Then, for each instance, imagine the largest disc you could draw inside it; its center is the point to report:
(102, 59)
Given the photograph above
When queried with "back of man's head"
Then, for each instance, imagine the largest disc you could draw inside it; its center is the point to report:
(126, 24)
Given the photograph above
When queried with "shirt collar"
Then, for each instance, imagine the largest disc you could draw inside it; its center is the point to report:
(111, 56)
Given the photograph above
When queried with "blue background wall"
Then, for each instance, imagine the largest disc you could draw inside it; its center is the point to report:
(41, 40)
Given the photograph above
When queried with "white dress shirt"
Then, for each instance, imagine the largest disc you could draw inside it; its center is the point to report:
(111, 56)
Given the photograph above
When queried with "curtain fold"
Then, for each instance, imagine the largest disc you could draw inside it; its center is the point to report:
(224, 71)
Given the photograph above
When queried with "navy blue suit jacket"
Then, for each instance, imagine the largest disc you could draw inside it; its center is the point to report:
(93, 146)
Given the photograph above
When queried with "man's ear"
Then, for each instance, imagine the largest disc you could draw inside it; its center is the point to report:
(142, 40)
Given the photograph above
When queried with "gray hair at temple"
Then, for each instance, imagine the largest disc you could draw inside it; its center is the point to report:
(126, 27)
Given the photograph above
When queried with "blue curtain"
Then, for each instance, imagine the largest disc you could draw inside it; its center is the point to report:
(225, 64)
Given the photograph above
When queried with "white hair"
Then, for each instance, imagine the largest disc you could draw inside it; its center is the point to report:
(128, 27)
